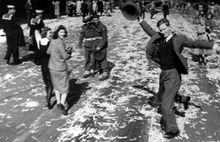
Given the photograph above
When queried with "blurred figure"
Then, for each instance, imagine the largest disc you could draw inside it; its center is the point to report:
(59, 54)
(36, 24)
(212, 9)
(56, 5)
(100, 7)
(90, 8)
(78, 7)
(112, 6)
(203, 33)
(107, 7)
(142, 9)
(210, 24)
(70, 8)
(152, 10)
(94, 7)
(29, 10)
(200, 11)
(84, 9)
(166, 9)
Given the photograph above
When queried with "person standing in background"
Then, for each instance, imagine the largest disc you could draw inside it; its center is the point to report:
(94, 37)
(107, 7)
(78, 7)
(14, 35)
(202, 34)
(29, 10)
(90, 8)
(166, 9)
(100, 7)
(112, 3)
(94, 7)
(152, 9)
(84, 9)
(56, 5)
(36, 24)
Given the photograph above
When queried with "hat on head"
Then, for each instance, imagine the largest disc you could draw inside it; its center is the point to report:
(87, 19)
(90, 18)
(39, 11)
(10, 6)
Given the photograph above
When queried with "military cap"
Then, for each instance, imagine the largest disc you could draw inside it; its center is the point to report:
(10, 6)
(88, 19)
(37, 11)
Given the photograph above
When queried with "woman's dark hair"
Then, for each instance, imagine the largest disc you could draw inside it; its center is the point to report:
(60, 27)
(44, 31)
(163, 21)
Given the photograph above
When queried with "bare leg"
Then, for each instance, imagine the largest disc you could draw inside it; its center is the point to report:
(57, 93)
(63, 98)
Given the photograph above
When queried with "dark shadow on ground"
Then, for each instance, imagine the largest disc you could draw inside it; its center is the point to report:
(153, 102)
(28, 57)
(75, 92)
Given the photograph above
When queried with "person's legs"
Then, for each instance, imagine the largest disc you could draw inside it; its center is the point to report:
(57, 94)
(48, 83)
(63, 103)
(157, 98)
(15, 55)
(63, 99)
(104, 66)
(9, 49)
(87, 67)
(171, 81)
(49, 91)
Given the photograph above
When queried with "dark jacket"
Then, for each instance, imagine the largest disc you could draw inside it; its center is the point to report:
(12, 29)
(35, 24)
(179, 42)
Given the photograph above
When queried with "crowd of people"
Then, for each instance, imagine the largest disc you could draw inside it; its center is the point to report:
(84, 8)
(164, 48)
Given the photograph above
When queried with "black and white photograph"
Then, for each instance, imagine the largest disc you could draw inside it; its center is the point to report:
(109, 71)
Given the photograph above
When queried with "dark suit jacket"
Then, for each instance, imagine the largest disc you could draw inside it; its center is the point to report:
(179, 42)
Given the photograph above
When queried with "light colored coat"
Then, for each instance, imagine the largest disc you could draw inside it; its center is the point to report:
(58, 55)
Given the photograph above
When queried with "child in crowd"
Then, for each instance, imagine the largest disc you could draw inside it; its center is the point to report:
(202, 35)
(46, 35)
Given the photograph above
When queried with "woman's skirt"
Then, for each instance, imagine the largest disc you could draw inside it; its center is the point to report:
(60, 81)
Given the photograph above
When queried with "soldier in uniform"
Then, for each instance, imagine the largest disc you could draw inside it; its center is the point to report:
(36, 24)
(14, 35)
(94, 35)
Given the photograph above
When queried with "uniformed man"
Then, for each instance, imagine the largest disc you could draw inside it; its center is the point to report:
(14, 35)
(94, 37)
(36, 24)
